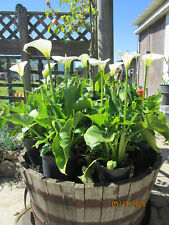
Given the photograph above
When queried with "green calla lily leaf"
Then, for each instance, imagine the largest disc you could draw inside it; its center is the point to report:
(94, 136)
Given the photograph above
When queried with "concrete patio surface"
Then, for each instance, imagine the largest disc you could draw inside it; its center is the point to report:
(160, 194)
(12, 195)
(11, 201)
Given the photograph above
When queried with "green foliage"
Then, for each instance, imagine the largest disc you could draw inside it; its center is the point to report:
(94, 136)
(6, 141)
(77, 19)
(73, 120)
(78, 118)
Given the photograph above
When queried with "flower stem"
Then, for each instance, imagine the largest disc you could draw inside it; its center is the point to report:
(51, 81)
(87, 77)
(42, 93)
(122, 149)
(113, 151)
(126, 94)
(145, 81)
(107, 150)
(114, 88)
(66, 75)
(46, 83)
(102, 74)
(24, 85)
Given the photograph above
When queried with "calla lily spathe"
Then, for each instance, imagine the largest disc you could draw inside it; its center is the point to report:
(127, 58)
(45, 72)
(65, 60)
(113, 67)
(43, 45)
(149, 58)
(19, 68)
(84, 58)
(100, 63)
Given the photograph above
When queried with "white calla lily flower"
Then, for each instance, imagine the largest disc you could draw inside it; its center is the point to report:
(43, 45)
(149, 58)
(84, 58)
(113, 67)
(127, 58)
(19, 68)
(97, 62)
(59, 59)
(101, 64)
(46, 71)
(64, 60)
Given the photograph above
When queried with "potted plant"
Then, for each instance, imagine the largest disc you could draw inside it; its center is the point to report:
(105, 123)
(95, 137)
(165, 89)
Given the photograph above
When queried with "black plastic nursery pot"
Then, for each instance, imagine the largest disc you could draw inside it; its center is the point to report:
(73, 169)
(50, 169)
(33, 153)
(56, 202)
(106, 175)
(165, 92)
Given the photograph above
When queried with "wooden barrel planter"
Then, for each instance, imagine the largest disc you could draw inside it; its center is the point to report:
(67, 203)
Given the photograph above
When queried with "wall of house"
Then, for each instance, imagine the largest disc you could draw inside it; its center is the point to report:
(153, 40)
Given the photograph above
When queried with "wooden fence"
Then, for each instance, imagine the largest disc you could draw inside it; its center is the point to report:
(20, 27)
(36, 80)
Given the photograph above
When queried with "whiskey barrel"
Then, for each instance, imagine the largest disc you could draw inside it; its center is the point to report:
(54, 202)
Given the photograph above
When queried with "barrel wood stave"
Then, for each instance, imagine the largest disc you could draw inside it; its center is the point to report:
(110, 194)
(79, 203)
(93, 203)
(121, 197)
(67, 190)
(68, 203)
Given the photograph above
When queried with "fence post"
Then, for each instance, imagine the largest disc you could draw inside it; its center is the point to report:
(24, 38)
(105, 29)
(9, 78)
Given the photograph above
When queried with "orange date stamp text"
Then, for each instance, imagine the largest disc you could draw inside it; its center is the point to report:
(138, 204)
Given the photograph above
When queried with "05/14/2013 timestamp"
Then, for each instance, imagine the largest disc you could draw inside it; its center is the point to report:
(141, 204)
